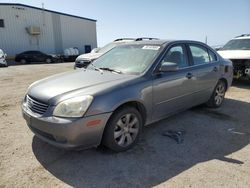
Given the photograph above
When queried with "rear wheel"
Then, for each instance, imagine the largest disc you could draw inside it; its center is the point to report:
(123, 129)
(218, 95)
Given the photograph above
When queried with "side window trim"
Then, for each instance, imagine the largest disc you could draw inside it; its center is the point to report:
(212, 53)
(190, 57)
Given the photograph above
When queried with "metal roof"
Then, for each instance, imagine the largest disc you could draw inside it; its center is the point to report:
(28, 6)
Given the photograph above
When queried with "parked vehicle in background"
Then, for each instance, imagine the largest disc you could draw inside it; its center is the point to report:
(238, 51)
(36, 56)
(70, 54)
(84, 60)
(130, 86)
(3, 62)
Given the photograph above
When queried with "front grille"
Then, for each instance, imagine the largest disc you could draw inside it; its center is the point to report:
(36, 106)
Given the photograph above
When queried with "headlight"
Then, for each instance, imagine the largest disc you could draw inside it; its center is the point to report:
(74, 107)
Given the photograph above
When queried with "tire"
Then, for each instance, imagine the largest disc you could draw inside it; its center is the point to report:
(23, 61)
(48, 60)
(123, 129)
(218, 95)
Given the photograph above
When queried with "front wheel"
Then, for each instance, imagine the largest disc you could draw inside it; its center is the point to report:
(123, 129)
(218, 95)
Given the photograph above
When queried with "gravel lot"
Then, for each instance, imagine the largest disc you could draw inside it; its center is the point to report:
(215, 151)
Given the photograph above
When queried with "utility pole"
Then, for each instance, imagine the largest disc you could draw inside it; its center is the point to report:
(206, 39)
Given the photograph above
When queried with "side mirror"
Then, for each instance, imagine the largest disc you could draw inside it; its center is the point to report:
(95, 50)
(168, 67)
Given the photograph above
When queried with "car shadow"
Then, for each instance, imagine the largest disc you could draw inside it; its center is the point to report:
(244, 84)
(210, 135)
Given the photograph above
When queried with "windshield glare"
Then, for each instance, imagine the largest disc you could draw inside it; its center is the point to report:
(132, 59)
(237, 44)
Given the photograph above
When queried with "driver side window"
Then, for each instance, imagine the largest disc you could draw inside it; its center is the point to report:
(176, 55)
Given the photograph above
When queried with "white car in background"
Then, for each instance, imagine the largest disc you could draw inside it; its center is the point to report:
(3, 61)
(238, 51)
(84, 60)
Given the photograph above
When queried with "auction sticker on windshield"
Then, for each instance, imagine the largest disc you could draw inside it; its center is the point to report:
(151, 47)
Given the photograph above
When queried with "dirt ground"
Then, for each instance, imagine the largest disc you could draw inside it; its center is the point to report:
(215, 151)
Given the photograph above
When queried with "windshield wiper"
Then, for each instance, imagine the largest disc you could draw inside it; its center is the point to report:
(111, 70)
(96, 68)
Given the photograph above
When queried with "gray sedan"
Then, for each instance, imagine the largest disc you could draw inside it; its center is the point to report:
(130, 86)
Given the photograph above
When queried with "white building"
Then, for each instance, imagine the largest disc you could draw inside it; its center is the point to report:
(24, 27)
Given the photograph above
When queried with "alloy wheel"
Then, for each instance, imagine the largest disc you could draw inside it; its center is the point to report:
(126, 130)
(219, 94)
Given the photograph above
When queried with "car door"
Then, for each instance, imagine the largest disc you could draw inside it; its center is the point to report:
(205, 70)
(172, 91)
(31, 56)
(28, 56)
(40, 57)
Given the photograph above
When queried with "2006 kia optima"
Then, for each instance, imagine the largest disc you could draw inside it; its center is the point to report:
(128, 87)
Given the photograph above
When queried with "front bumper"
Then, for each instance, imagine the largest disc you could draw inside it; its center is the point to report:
(3, 62)
(68, 133)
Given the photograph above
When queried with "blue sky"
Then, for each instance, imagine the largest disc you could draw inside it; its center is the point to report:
(219, 20)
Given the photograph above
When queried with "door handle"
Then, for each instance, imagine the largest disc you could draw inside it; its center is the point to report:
(215, 69)
(189, 75)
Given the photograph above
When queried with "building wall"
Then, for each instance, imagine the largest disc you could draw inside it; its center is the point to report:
(57, 31)
(78, 33)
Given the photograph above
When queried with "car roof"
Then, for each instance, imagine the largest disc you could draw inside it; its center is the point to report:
(161, 42)
(31, 51)
(243, 36)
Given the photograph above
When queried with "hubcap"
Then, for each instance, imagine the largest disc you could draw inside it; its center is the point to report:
(126, 130)
(48, 60)
(219, 94)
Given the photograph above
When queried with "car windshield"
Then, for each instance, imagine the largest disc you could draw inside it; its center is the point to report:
(107, 47)
(1, 53)
(237, 44)
(130, 59)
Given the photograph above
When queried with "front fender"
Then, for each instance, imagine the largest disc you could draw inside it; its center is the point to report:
(135, 92)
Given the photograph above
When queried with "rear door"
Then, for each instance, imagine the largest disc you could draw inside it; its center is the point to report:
(40, 57)
(205, 70)
(172, 91)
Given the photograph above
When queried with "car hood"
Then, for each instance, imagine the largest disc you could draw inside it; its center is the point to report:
(88, 56)
(73, 82)
(235, 54)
